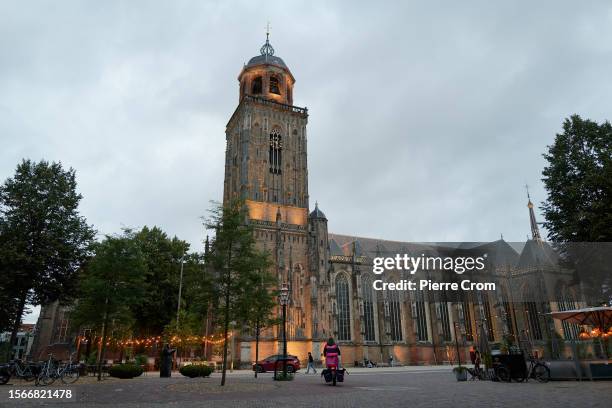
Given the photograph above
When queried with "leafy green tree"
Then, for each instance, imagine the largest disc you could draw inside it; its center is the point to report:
(163, 257)
(111, 284)
(578, 179)
(236, 260)
(43, 238)
(578, 208)
(257, 309)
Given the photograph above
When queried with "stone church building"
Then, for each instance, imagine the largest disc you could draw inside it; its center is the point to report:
(330, 276)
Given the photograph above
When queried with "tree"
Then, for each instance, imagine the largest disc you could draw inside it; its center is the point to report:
(578, 208)
(111, 284)
(163, 257)
(236, 260)
(43, 238)
(257, 309)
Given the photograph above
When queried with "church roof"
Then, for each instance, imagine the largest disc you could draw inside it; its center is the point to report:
(334, 248)
(267, 59)
(538, 254)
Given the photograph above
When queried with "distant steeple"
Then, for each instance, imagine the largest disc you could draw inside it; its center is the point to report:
(535, 232)
(267, 49)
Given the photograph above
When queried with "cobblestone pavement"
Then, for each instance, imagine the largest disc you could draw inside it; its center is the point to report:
(398, 387)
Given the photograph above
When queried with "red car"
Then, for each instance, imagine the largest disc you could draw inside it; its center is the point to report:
(293, 364)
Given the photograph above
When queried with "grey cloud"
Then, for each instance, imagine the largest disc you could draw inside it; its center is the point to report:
(426, 119)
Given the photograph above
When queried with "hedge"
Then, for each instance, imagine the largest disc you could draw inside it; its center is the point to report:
(125, 371)
(196, 370)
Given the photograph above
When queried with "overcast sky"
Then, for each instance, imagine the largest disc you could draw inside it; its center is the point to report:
(426, 118)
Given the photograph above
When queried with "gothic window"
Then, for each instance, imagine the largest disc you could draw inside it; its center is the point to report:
(256, 85)
(565, 301)
(444, 320)
(344, 313)
(395, 316)
(367, 292)
(276, 148)
(420, 317)
(508, 312)
(487, 314)
(467, 319)
(274, 87)
(531, 310)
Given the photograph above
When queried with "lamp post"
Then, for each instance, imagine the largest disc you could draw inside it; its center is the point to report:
(284, 299)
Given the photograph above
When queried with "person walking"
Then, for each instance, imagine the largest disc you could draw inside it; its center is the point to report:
(310, 364)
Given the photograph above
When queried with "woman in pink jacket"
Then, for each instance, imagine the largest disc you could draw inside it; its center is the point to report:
(331, 351)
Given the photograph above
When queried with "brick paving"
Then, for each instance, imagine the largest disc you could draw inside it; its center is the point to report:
(392, 387)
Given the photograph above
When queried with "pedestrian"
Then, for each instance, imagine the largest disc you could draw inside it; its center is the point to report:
(477, 361)
(390, 361)
(310, 364)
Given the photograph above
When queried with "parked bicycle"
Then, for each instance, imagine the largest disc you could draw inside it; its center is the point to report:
(19, 369)
(52, 370)
(537, 370)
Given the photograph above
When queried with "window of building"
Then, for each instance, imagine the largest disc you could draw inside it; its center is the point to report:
(256, 86)
(367, 292)
(395, 316)
(467, 319)
(274, 86)
(487, 314)
(508, 313)
(444, 321)
(531, 310)
(420, 317)
(275, 156)
(344, 313)
(565, 301)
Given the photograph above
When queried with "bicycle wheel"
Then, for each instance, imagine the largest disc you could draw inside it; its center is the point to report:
(520, 377)
(46, 379)
(541, 372)
(503, 374)
(70, 375)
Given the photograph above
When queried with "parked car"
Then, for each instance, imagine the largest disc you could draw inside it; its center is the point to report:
(267, 364)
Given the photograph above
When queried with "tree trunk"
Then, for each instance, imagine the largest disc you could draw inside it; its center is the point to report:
(226, 314)
(102, 347)
(17, 323)
(256, 346)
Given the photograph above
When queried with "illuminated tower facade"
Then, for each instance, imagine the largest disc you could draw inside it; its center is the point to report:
(266, 165)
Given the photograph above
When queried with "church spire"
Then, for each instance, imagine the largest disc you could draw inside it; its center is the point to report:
(267, 49)
(535, 232)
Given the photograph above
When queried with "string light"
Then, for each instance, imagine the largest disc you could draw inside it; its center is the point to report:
(150, 341)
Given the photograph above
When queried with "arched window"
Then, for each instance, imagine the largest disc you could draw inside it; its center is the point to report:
(420, 317)
(276, 147)
(256, 86)
(444, 317)
(274, 86)
(395, 316)
(344, 312)
(369, 297)
(486, 306)
(508, 312)
(565, 301)
(467, 318)
(531, 314)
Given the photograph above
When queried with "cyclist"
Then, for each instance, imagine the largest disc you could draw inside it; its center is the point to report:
(331, 351)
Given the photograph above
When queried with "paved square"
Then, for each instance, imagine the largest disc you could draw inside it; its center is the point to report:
(395, 387)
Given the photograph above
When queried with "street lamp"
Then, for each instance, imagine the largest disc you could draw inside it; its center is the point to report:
(284, 300)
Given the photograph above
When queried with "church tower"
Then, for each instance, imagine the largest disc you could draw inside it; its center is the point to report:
(265, 165)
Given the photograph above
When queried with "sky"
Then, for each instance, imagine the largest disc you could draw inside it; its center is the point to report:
(426, 119)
